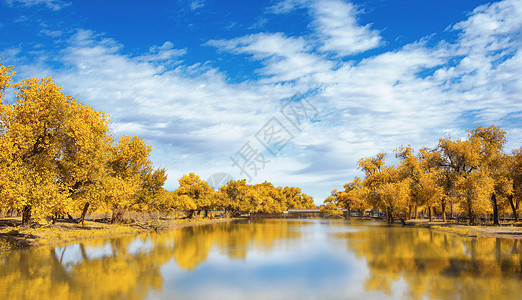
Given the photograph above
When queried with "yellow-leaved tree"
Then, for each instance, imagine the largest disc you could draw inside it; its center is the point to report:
(494, 164)
(422, 173)
(57, 157)
(53, 149)
(194, 194)
(233, 196)
(515, 175)
(7, 169)
(130, 158)
(387, 191)
(295, 198)
(353, 196)
(461, 159)
(151, 195)
(86, 149)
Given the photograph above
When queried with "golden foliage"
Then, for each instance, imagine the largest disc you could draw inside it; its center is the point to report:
(57, 155)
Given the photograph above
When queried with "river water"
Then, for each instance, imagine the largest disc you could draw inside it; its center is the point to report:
(271, 259)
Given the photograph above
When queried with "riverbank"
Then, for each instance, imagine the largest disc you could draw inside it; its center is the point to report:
(504, 231)
(13, 236)
(65, 231)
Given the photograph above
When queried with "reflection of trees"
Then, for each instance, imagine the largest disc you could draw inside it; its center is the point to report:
(192, 244)
(42, 273)
(439, 265)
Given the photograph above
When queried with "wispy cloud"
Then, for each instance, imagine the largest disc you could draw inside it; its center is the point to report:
(52, 33)
(285, 58)
(51, 4)
(164, 54)
(338, 29)
(286, 6)
(336, 25)
(196, 4)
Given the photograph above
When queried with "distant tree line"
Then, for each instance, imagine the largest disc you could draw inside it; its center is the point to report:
(473, 175)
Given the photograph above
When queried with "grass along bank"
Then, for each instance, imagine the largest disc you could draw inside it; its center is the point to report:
(13, 236)
(505, 231)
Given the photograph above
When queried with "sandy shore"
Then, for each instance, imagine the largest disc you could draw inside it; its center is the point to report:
(505, 231)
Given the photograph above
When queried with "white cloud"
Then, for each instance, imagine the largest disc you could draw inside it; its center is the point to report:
(163, 54)
(196, 4)
(52, 33)
(336, 24)
(286, 58)
(262, 45)
(51, 4)
(491, 26)
(286, 6)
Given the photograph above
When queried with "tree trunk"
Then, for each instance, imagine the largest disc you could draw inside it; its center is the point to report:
(84, 213)
(513, 208)
(451, 209)
(471, 213)
(430, 214)
(54, 218)
(415, 212)
(390, 215)
(495, 209)
(26, 215)
(117, 216)
(444, 211)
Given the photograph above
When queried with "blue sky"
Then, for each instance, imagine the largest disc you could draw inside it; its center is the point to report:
(203, 81)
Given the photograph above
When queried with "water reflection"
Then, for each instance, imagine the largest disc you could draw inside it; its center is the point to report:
(437, 265)
(192, 245)
(277, 259)
(128, 267)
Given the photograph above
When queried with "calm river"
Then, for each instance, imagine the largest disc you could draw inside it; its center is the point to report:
(271, 259)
